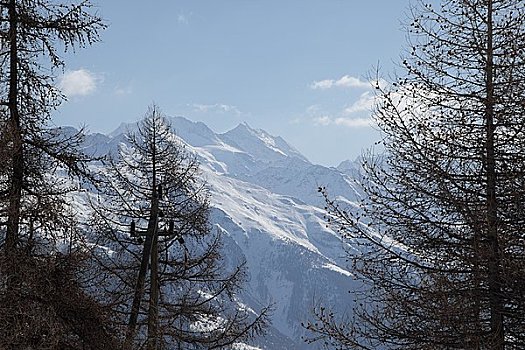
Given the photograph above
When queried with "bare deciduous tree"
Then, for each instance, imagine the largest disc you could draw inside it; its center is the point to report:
(43, 304)
(441, 225)
(31, 34)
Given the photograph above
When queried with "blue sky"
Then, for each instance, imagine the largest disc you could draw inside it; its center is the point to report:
(295, 68)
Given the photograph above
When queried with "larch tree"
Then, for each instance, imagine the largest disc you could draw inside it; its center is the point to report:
(168, 277)
(32, 33)
(441, 225)
(43, 301)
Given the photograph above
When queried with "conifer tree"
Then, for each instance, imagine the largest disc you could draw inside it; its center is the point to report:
(168, 279)
(32, 33)
(441, 226)
(44, 303)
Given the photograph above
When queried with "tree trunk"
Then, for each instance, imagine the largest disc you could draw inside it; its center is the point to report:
(146, 253)
(153, 312)
(494, 258)
(17, 160)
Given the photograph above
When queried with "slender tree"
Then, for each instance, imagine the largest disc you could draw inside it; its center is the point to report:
(43, 301)
(441, 226)
(31, 33)
(169, 277)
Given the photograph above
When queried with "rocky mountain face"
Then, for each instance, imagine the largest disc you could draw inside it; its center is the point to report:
(265, 202)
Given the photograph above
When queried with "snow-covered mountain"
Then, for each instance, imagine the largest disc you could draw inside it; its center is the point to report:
(265, 201)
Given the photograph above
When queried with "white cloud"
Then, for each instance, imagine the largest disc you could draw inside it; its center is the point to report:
(342, 121)
(354, 122)
(79, 82)
(348, 81)
(322, 84)
(343, 82)
(314, 109)
(357, 114)
(323, 120)
(364, 104)
(123, 90)
(216, 108)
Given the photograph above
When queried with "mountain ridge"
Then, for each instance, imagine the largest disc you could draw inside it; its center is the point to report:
(264, 201)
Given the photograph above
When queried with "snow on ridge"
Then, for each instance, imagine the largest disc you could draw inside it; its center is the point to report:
(338, 269)
(123, 128)
(259, 143)
(268, 140)
(264, 201)
(255, 207)
(194, 133)
(242, 346)
(291, 255)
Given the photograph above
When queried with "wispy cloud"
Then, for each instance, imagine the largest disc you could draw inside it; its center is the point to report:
(79, 82)
(123, 90)
(356, 115)
(349, 122)
(364, 104)
(343, 82)
(323, 120)
(182, 19)
(354, 122)
(216, 108)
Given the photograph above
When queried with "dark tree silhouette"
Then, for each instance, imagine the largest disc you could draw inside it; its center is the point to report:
(441, 226)
(31, 34)
(47, 307)
(44, 304)
(169, 277)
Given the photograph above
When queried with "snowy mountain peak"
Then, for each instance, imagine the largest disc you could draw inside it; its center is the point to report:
(260, 144)
(196, 134)
(264, 200)
(123, 128)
